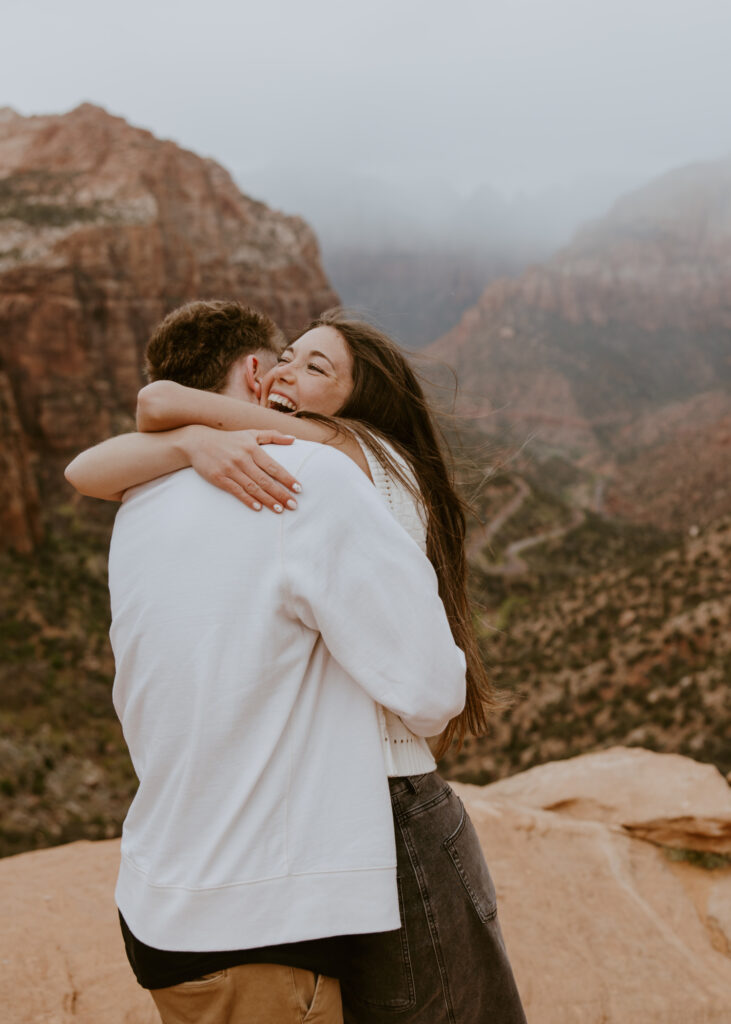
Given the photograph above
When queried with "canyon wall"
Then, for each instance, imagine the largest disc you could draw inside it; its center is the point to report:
(103, 230)
(618, 345)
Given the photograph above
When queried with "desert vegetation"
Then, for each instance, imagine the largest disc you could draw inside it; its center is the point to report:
(612, 633)
(615, 633)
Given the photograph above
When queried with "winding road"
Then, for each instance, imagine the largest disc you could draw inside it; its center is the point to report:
(481, 537)
(512, 564)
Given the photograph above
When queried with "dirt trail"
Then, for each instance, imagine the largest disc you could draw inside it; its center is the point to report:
(512, 564)
(486, 533)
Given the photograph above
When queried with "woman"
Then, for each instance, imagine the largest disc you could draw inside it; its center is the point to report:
(344, 383)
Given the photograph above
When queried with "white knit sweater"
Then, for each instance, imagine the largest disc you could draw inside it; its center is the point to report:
(405, 752)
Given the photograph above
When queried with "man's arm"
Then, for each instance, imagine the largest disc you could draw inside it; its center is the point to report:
(354, 575)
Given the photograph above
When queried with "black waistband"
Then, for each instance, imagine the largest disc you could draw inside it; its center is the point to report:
(160, 968)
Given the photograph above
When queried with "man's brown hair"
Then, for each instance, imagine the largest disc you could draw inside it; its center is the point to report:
(198, 343)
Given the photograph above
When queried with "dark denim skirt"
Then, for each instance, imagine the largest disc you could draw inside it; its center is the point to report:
(447, 964)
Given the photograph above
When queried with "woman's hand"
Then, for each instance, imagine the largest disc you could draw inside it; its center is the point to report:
(234, 461)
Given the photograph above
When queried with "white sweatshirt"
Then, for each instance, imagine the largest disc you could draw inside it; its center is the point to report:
(251, 651)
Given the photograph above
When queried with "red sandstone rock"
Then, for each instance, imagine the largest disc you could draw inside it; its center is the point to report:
(665, 798)
(632, 317)
(104, 229)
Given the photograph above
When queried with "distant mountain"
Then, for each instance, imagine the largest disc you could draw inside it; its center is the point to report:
(415, 254)
(104, 229)
(593, 350)
(417, 293)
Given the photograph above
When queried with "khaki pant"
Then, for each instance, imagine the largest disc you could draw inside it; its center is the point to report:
(252, 994)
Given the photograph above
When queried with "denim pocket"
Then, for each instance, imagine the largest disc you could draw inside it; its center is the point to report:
(465, 852)
(379, 973)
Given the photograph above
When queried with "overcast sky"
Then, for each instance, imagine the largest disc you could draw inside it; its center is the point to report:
(520, 94)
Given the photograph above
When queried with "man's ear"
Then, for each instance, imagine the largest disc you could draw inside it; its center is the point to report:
(252, 371)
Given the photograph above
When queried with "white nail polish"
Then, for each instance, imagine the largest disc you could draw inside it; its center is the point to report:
(257, 506)
(296, 488)
(292, 504)
(278, 508)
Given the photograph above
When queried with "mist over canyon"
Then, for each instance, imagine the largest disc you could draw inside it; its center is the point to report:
(415, 252)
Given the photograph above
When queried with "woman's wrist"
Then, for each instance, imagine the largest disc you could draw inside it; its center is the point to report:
(188, 440)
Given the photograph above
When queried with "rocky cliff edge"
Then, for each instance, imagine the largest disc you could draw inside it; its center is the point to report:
(614, 889)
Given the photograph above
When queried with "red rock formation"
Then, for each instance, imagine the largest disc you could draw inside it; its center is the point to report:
(634, 313)
(104, 229)
(632, 318)
(683, 480)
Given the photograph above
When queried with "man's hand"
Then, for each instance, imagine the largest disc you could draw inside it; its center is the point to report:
(233, 461)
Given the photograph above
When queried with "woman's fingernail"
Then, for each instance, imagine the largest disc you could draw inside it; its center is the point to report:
(292, 504)
(296, 488)
(257, 506)
(278, 508)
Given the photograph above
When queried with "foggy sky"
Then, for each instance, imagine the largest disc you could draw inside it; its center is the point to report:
(517, 94)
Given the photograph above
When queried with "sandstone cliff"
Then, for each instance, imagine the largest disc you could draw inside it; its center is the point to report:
(632, 317)
(614, 891)
(103, 229)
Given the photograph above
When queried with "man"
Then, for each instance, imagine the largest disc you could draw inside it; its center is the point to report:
(251, 651)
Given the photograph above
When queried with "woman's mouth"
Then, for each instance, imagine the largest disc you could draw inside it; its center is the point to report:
(280, 402)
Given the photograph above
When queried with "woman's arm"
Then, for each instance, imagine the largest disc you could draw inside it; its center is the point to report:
(164, 405)
(233, 461)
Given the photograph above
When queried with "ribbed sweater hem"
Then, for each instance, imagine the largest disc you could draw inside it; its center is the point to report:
(291, 908)
(408, 759)
(403, 751)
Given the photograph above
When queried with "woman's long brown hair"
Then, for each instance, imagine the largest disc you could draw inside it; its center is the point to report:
(387, 399)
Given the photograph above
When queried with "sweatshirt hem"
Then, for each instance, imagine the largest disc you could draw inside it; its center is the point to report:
(249, 914)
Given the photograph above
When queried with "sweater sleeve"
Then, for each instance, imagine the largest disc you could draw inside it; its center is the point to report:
(354, 575)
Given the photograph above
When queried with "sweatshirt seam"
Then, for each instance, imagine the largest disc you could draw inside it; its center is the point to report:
(256, 881)
(286, 586)
(287, 594)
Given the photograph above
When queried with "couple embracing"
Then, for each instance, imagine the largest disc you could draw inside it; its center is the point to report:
(285, 641)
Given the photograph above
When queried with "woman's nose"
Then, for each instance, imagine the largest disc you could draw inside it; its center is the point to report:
(284, 372)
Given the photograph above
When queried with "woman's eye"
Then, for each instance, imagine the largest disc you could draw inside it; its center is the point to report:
(282, 360)
(314, 366)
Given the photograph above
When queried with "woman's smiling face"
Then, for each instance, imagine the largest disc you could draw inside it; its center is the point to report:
(314, 374)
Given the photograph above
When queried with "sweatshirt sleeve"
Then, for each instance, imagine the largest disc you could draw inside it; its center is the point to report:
(353, 574)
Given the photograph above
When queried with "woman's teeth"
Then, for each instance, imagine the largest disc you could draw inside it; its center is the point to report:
(281, 404)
